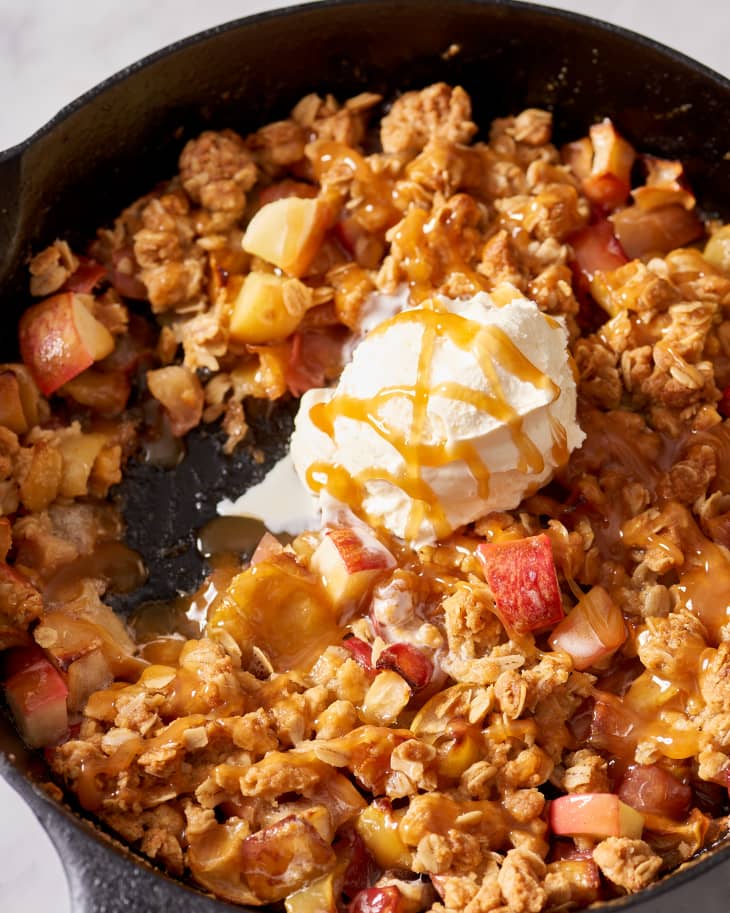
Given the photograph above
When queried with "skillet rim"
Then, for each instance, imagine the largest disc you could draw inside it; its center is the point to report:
(17, 150)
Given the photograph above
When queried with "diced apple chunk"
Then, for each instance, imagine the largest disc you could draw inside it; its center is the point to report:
(36, 695)
(596, 815)
(386, 697)
(79, 452)
(609, 182)
(181, 395)
(592, 631)
(317, 897)
(349, 561)
(377, 825)
(264, 311)
(288, 233)
(522, 577)
(59, 338)
(12, 415)
(387, 899)
(87, 674)
(409, 662)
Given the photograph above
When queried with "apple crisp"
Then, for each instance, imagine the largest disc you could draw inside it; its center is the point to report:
(530, 715)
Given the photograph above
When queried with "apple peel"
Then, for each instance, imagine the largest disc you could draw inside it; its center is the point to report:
(521, 575)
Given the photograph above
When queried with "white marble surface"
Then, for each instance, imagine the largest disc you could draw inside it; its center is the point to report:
(50, 53)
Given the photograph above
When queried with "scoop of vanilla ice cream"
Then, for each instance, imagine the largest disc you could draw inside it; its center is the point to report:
(445, 412)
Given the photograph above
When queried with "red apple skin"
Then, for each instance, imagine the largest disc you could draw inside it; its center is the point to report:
(596, 247)
(409, 662)
(36, 695)
(361, 652)
(378, 900)
(653, 790)
(349, 564)
(355, 554)
(521, 574)
(596, 815)
(88, 275)
(51, 343)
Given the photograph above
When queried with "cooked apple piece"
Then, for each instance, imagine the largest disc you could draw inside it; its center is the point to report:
(409, 662)
(36, 695)
(386, 697)
(79, 452)
(268, 308)
(595, 248)
(104, 392)
(67, 639)
(361, 652)
(593, 630)
(12, 415)
(717, 249)
(268, 547)
(30, 397)
(59, 338)
(280, 608)
(521, 575)
(665, 184)
(461, 746)
(349, 562)
(283, 857)
(387, 899)
(86, 675)
(654, 791)
(656, 231)
(609, 181)
(596, 815)
(288, 233)
(181, 395)
(318, 897)
(580, 876)
(377, 825)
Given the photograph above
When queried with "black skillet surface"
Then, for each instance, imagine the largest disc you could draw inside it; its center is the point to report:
(110, 146)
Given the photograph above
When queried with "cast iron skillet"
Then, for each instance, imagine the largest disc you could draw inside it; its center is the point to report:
(110, 146)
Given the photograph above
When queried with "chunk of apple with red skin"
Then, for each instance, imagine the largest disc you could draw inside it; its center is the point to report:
(349, 561)
(60, 338)
(361, 652)
(596, 815)
(387, 899)
(592, 631)
(595, 248)
(521, 575)
(409, 662)
(652, 790)
(36, 695)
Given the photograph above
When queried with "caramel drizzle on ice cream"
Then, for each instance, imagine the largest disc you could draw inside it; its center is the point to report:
(492, 348)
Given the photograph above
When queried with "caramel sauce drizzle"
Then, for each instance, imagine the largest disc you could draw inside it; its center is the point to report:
(373, 194)
(433, 249)
(653, 708)
(492, 348)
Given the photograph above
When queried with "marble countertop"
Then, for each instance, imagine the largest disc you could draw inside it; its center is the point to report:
(52, 52)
